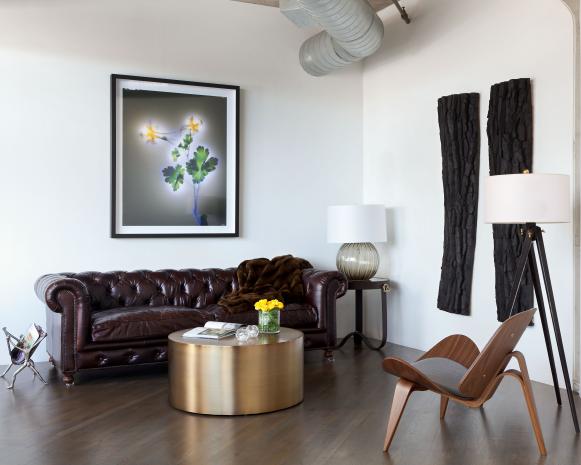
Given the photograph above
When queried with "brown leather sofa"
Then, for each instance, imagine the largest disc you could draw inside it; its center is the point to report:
(100, 320)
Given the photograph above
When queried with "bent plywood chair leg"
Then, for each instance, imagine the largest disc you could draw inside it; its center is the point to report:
(443, 406)
(527, 388)
(403, 389)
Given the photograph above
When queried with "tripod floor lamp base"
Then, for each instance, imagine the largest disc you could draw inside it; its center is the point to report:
(534, 234)
(528, 199)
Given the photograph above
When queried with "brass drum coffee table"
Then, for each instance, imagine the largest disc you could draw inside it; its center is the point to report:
(227, 377)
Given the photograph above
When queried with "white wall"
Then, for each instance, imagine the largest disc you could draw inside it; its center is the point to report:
(455, 46)
(301, 137)
(306, 134)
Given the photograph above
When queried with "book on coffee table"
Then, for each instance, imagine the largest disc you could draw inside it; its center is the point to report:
(213, 330)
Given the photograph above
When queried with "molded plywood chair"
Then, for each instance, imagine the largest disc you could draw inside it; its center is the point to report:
(455, 369)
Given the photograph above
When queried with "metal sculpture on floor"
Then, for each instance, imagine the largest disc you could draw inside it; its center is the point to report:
(21, 351)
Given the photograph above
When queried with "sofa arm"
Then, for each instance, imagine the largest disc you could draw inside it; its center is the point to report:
(49, 286)
(322, 289)
(68, 300)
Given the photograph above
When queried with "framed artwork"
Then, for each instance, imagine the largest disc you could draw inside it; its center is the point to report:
(174, 168)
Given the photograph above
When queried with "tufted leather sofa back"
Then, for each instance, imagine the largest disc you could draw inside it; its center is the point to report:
(186, 288)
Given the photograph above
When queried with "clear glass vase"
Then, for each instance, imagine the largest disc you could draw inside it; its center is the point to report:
(269, 322)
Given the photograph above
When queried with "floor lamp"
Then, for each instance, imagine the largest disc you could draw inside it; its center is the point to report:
(529, 199)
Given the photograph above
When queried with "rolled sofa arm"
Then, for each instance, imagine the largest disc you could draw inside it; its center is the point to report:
(49, 286)
(322, 289)
(68, 318)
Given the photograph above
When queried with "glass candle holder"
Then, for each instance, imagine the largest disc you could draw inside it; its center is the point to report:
(242, 334)
(252, 330)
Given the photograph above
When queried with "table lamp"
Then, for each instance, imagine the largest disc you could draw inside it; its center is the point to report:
(356, 227)
(529, 199)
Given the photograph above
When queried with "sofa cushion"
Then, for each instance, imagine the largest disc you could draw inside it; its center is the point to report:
(445, 372)
(130, 323)
(293, 316)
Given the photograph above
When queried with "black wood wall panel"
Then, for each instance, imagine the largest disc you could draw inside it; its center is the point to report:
(510, 151)
(458, 116)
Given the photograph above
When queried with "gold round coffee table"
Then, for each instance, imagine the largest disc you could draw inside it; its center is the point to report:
(227, 377)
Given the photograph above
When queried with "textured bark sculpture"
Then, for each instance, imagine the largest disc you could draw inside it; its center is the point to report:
(458, 116)
(510, 150)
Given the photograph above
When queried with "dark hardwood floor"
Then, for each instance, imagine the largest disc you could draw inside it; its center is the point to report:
(127, 420)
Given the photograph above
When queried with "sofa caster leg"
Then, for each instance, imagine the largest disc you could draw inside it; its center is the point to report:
(69, 380)
(329, 356)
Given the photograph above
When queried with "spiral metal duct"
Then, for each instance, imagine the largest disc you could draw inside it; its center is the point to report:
(352, 31)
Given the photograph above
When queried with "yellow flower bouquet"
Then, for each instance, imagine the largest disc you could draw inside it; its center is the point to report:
(269, 315)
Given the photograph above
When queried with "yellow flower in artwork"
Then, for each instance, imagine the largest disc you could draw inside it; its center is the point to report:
(193, 125)
(151, 134)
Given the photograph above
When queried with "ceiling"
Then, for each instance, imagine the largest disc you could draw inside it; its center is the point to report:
(376, 4)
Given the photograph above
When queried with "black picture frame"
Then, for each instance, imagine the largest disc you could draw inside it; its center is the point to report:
(114, 231)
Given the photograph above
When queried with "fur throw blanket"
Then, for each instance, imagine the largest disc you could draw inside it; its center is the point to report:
(261, 278)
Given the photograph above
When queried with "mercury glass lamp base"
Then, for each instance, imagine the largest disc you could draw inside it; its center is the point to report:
(358, 261)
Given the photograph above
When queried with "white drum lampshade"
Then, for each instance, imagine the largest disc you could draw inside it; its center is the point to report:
(356, 227)
(527, 198)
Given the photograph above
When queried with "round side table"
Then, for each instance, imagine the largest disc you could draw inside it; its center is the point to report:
(227, 377)
(359, 286)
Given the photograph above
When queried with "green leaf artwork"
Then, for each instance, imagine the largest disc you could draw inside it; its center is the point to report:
(174, 176)
(199, 164)
(187, 140)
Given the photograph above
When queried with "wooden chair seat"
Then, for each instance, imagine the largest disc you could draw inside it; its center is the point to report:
(455, 369)
(446, 373)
